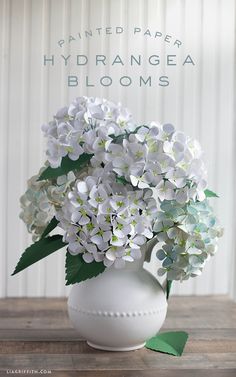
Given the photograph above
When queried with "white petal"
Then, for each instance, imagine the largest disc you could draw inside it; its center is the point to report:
(84, 220)
(88, 257)
(168, 128)
(75, 217)
(82, 187)
(139, 240)
(97, 239)
(91, 248)
(107, 262)
(134, 180)
(107, 236)
(111, 255)
(75, 248)
(136, 253)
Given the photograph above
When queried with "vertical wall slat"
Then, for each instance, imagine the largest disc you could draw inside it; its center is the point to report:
(66, 17)
(54, 12)
(4, 100)
(26, 33)
(232, 261)
(15, 286)
(43, 28)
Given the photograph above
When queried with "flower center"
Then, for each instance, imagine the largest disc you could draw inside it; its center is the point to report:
(120, 204)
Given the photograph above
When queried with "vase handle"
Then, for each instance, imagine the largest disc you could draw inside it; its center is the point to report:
(149, 248)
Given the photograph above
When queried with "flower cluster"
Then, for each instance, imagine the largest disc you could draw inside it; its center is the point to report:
(84, 126)
(156, 156)
(140, 182)
(147, 156)
(41, 200)
(107, 221)
(189, 235)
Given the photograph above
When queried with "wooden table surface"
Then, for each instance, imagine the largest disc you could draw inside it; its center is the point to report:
(36, 335)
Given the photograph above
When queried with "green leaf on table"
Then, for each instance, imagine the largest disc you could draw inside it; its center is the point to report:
(172, 342)
(67, 165)
(78, 270)
(210, 194)
(38, 251)
(52, 225)
(168, 288)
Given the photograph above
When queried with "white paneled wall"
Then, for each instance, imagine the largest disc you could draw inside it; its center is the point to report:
(199, 100)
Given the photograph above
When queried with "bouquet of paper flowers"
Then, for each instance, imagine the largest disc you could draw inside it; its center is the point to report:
(111, 186)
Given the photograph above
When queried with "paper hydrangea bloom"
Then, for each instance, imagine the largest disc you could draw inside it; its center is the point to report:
(136, 183)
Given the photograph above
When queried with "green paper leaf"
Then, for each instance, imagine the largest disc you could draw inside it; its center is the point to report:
(172, 343)
(52, 225)
(67, 165)
(210, 194)
(168, 287)
(78, 270)
(38, 251)
(120, 179)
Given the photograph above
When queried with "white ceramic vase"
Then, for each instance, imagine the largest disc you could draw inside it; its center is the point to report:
(119, 309)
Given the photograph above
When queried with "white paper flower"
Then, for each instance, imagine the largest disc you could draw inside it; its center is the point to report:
(141, 182)
(41, 201)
